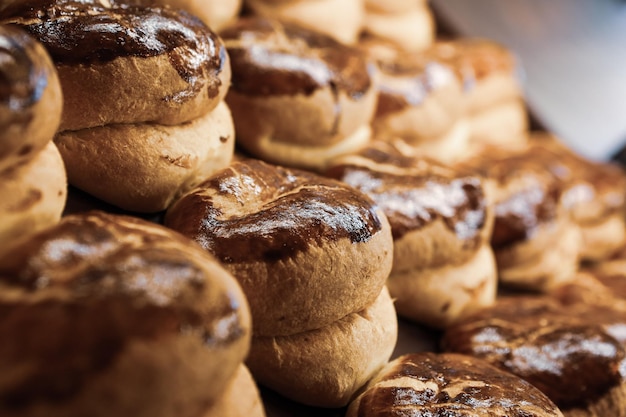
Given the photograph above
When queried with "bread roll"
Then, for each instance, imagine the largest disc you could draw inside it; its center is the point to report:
(241, 398)
(443, 264)
(307, 250)
(298, 97)
(126, 64)
(428, 384)
(327, 366)
(111, 315)
(560, 350)
(30, 97)
(146, 167)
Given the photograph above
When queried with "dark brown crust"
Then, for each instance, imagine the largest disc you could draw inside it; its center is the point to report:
(102, 283)
(450, 385)
(291, 211)
(414, 192)
(87, 33)
(272, 58)
(522, 209)
(562, 351)
(407, 79)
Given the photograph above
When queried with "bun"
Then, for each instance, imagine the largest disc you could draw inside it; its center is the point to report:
(144, 64)
(420, 99)
(306, 249)
(536, 244)
(33, 183)
(144, 167)
(425, 384)
(327, 366)
(568, 352)
(493, 94)
(104, 309)
(443, 266)
(298, 97)
(31, 98)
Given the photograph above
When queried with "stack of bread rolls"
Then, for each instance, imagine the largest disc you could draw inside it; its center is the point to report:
(380, 172)
(312, 256)
(298, 97)
(33, 182)
(443, 265)
(143, 118)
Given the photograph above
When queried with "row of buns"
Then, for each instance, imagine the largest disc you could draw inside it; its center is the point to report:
(310, 188)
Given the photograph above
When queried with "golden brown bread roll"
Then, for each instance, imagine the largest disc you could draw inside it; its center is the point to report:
(493, 93)
(298, 97)
(146, 167)
(567, 351)
(594, 194)
(535, 242)
(443, 265)
(428, 384)
(111, 315)
(307, 250)
(339, 19)
(420, 99)
(30, 97)
(326, 367)
(126, 64)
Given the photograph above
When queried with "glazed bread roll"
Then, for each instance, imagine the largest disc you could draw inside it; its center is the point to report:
(565, 351)
(144, 167)
(339, 19)
(443, 266)
(112, 310)
(420, 99)
(33, 182)
(241, 398)
(143, 64)
(409, 25)
(298, 97)
(428, 384)
(30, 97)
(307, 250)
(34, 195)
(535, 242)
(326, 367)
(493, 93)
(594, 194)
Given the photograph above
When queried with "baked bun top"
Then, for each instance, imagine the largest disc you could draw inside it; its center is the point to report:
(415, 192)
(271, 58)
(427, 384)
(562, 350)
(253, 211)
(307, 250)
(30, 96)
(591, 190)
(101, 47)
(526, 195)
(130, 278)
(408, 79)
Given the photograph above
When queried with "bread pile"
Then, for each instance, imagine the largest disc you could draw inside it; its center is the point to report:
(379, 172)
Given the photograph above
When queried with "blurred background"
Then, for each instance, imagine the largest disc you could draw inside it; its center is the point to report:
(573, 54)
